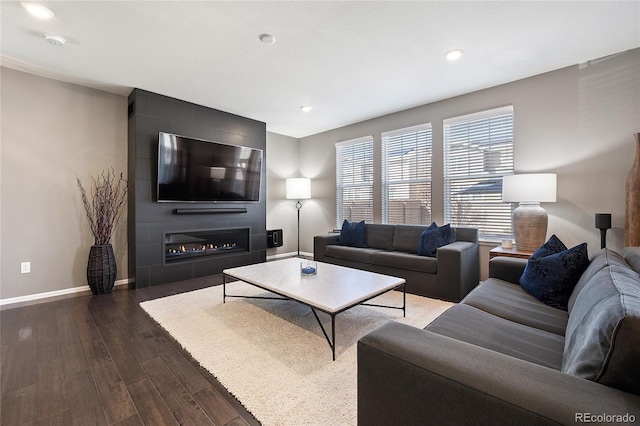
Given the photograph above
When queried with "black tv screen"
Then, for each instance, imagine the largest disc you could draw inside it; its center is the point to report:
(195, 170)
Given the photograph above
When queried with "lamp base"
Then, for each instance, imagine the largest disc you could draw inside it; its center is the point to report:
(530, 226)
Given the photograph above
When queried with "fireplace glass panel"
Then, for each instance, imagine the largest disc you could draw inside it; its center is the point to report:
(186, 245)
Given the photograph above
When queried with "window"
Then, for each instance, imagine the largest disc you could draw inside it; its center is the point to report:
(478, 151)
(406, 175)
(354, 180)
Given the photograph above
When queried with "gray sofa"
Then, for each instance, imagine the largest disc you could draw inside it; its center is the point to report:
(393, 250)
(502, 357)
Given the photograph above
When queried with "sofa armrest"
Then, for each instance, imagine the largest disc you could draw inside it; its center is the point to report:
(411, 376)
(507, 268)
(458, 269)
(320, 242)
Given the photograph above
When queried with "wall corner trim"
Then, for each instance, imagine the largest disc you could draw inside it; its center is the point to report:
(303, 254)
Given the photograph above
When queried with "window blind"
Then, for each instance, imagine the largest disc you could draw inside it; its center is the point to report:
(406, 175)
(354, 180)
(478, 151)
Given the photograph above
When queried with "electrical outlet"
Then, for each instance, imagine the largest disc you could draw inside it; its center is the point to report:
(25, 267)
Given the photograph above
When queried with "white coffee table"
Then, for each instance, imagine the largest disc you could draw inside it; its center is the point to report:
(332, 290)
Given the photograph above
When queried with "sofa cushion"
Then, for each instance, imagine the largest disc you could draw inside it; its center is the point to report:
(407, 261)
(352, 234)
(603, 333)
(600, 260)
(510, 301)
(354, 254)
(379, 236)
(472, 325)
(433, 238)
(551, 275)
(406, 238)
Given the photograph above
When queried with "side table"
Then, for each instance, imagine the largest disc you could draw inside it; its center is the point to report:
(509, 252)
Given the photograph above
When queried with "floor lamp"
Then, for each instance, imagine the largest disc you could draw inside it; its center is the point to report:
(529, 219)
(298, 189)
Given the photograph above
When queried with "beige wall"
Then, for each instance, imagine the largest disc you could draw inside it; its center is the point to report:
(282, 163)
(51, 133)
(577, 122)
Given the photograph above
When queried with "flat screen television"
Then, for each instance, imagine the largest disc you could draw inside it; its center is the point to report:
(195, 170)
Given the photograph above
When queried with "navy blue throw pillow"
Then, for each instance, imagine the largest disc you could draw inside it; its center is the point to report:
(553, 271)
(552, 246)
(434, 237)
(352, 234)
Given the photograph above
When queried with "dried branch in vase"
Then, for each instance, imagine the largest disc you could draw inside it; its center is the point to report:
(104, 203)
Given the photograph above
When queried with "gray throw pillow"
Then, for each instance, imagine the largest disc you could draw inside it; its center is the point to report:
(602, 341)
(632, 256)
(600, 260)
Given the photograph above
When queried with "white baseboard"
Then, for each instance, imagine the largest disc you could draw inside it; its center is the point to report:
(63, 292)
(290, 254)
(55, 293)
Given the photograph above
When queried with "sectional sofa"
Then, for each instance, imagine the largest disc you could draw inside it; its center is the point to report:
(503, 357)
(393, 250)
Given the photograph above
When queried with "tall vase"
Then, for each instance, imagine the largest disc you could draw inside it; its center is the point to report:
(632, 207)
(101, 269)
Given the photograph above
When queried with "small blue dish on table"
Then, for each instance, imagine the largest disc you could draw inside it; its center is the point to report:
(308, 268)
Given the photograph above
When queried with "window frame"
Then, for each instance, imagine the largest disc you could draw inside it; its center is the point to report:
(422, 173)
(366, 149)
(497, 216)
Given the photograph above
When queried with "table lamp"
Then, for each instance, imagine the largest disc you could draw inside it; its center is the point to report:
(298, 189)
(529, 219)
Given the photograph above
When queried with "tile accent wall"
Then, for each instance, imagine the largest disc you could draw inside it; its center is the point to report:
(149, 114)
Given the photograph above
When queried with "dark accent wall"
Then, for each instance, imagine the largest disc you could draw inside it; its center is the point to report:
(148, 220)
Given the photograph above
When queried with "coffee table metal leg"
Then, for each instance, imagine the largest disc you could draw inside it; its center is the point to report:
(404, 300)
(224, 288)
(332, 341)
(333, 336)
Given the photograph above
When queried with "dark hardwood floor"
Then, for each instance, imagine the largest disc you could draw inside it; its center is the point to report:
(101, 360)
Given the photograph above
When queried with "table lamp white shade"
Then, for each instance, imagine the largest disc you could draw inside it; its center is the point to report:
(298, 188)
(529, 188)
(529, 219)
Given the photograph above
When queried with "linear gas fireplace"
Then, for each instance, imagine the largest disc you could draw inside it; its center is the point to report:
(192, 245)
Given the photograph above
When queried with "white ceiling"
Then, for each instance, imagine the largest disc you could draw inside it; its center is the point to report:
(351, 61)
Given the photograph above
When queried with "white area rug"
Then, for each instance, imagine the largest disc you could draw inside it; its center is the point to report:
(272, 355)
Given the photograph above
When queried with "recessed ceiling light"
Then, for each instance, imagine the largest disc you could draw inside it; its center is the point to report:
(37, 10)
(305, 108)
(267, 38)
(454, 55)
(55, 40)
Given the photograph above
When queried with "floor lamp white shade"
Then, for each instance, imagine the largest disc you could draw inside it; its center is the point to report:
(529, 219)
(298, 189)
